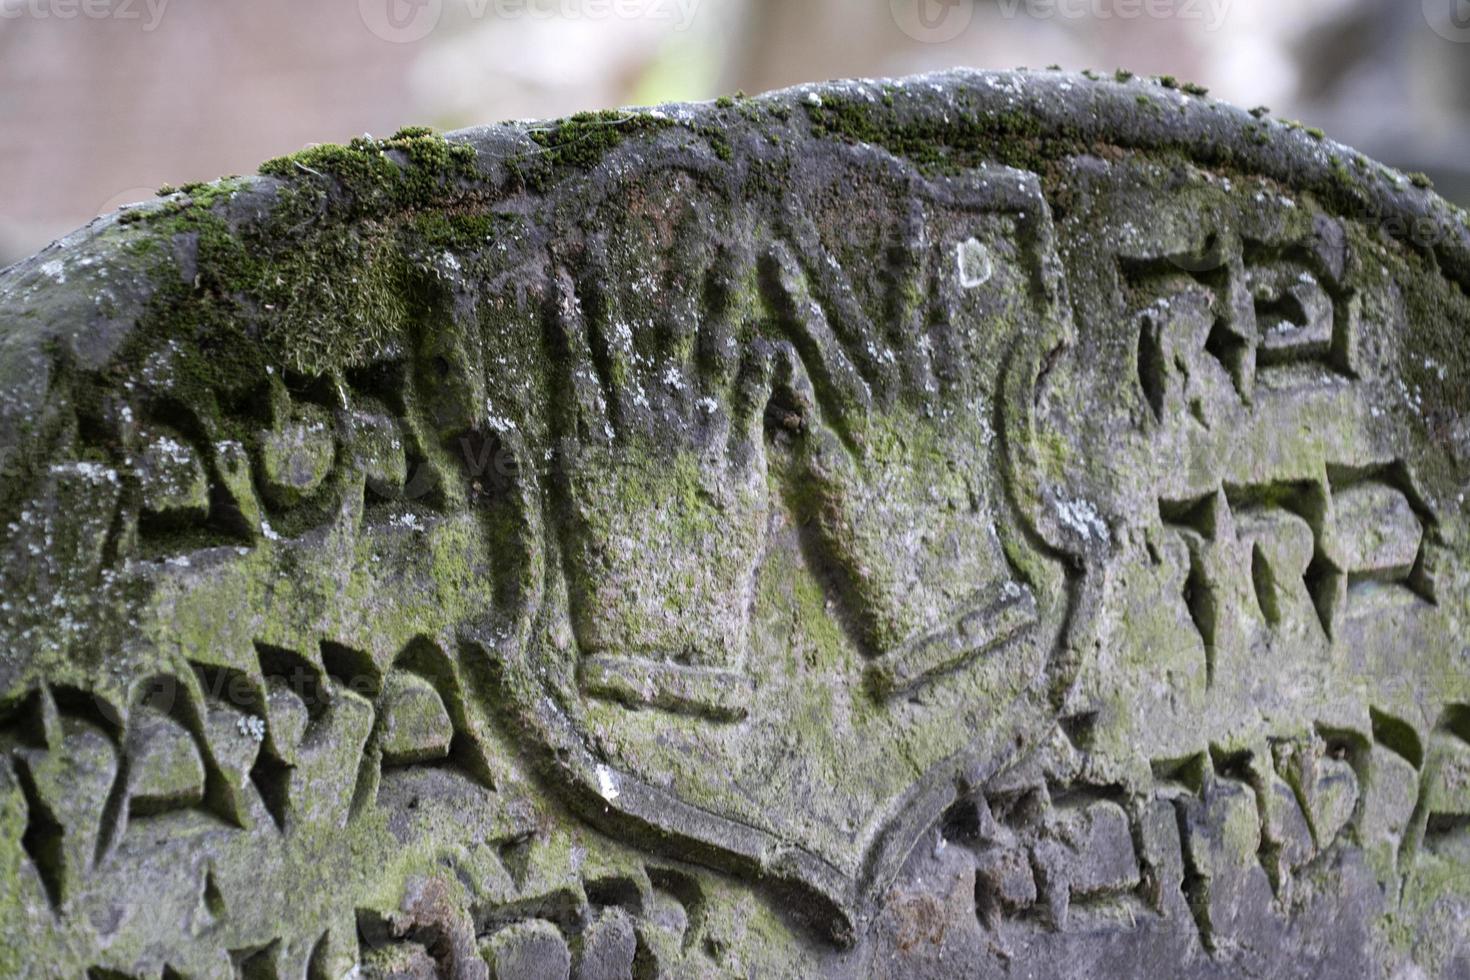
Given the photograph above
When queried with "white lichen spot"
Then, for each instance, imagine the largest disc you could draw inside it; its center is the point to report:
(975, 266)
(268, 532)
(55, 270)
(175, 452)
(813, 99)
(252, 726)
(499, 423)
(1081, 516)
(607, 783)
(409, 521)
(91, 472)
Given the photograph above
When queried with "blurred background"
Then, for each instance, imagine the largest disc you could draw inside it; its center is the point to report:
(101, 101)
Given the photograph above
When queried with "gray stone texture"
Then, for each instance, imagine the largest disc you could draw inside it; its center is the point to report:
(983, 524)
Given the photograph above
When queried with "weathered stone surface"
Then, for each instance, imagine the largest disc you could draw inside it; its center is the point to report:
(533, 950)
(978, 525)
(609, 946)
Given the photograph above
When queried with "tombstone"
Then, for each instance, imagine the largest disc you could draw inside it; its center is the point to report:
(975, 523)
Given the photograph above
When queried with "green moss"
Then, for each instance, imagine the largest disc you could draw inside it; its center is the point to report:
(1194, 89)
(412, 168)
(579, 143)
(936, 146)
(718, 142)
(329, 300)
(462, 232)
(1123, 75)
(325, 282)
(1436, 359)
